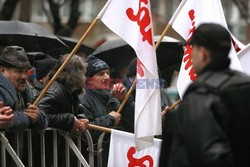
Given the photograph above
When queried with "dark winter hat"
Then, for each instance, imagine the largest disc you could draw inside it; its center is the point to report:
(43, 64)
(212, 36)
(95, 65)
(132, 68)
(15, 56)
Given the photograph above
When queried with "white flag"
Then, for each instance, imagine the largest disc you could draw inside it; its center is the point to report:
(189, 15)
(122, 152)
(244, 56)
(132, 21)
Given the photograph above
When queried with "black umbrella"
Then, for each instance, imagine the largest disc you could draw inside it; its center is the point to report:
(30, 36)
(117, 53)
(71, 43)
(169, 57)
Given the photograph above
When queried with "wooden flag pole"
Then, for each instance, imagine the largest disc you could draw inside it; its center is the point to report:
(127, 96)
(99, 128)
(108, 130)
(78, 45)
(175, 104)
(162, 35)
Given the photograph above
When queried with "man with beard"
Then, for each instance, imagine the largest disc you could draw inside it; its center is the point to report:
(61, 104)
(211, 127)
(101, 103)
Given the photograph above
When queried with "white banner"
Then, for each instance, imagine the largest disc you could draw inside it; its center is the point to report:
(122, 152)
(244, 56)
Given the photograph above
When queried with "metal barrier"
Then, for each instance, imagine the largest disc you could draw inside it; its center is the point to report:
(100, 149)
(76, 148)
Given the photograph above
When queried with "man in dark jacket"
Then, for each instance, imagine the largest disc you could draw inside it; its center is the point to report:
(212, 127)
(61, 104)
(102, 100)
(15, 97)
(14, 93)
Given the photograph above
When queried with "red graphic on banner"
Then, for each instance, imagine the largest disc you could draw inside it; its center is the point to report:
(188, 51)
(236, 46)
(134, 162)
(143, 20)
(140, 70)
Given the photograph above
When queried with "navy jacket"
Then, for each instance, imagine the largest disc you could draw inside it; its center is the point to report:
(9, 98)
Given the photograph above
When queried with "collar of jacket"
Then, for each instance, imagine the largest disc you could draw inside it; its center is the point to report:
(38, 85)
(102, 95)
(216, 66)
(8, 86)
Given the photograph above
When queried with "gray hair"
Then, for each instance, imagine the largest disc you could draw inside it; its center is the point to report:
(73, 75)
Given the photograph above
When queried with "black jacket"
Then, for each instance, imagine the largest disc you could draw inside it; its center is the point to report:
(99, 103)
(61, 106)
(212, 127)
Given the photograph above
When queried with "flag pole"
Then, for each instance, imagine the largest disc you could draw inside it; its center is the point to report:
(162, 35)
(78, 45)
(99, 128)
(127, 96)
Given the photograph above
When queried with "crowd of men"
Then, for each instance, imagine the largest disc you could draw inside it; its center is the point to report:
(210, 128)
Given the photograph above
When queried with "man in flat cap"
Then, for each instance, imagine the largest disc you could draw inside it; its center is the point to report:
(211, 127)
(14, 93)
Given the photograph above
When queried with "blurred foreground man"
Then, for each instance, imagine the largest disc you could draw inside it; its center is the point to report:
(212, 127)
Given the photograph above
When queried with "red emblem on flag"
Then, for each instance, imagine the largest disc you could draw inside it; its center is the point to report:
(188, 51)
(140, 70)
(134, 162)
(236, 46)
(143, 20)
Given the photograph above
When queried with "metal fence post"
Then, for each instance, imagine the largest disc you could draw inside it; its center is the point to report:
(100, 149)
(42, 146)
(3, 154)
(55, 157)
(29, 144)
(12, 153)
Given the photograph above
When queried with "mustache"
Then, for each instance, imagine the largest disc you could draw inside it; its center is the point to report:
(21, 81)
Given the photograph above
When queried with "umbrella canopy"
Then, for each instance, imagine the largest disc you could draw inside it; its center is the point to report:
(169, 57)
(118, 54)
(30, 36)
(83, 51)
(71, 43)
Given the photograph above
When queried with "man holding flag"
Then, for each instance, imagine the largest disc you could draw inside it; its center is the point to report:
(212, 126)
(132, 21)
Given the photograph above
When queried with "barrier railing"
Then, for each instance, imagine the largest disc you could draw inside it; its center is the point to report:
(69, 143)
